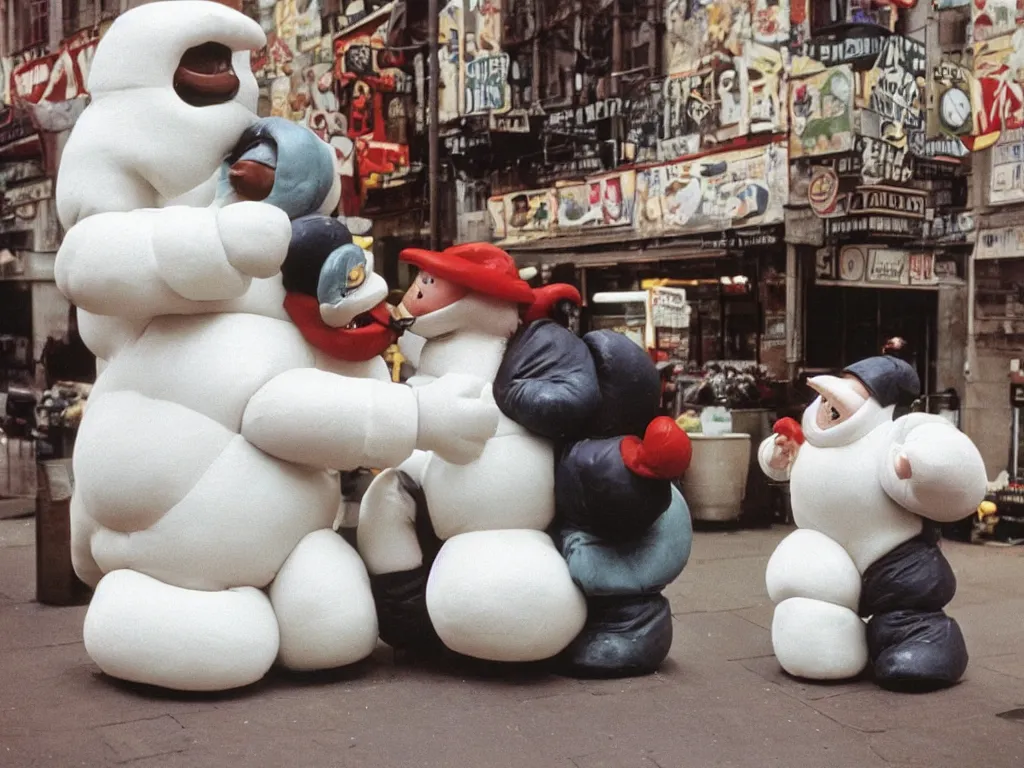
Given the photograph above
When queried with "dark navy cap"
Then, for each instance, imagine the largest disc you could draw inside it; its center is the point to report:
(890, 381)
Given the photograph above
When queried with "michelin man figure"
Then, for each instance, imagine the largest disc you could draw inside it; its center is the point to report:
(207, 462)
(865, 491)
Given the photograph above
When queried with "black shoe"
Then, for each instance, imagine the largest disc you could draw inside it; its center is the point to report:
(912, 651)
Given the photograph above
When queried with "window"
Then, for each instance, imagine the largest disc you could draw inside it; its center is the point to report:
(33, 23)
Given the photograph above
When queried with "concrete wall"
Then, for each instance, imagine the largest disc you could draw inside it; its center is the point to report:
(986, 407)
(951, 339)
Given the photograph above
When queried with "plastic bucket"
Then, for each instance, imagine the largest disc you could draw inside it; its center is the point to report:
(715, 483)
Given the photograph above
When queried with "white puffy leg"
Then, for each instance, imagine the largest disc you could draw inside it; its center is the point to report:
(143, 630)
(386, 535)
(504, 596)
(324, 606)
(810, 564)
(818, 640)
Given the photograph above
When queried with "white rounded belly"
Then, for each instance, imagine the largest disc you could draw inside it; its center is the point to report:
(234, 528)
(511, 485)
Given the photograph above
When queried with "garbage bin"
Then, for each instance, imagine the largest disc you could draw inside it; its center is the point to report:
(716, 480)
(56, 582)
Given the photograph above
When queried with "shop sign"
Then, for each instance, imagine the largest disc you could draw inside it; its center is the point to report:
(584, 165)
(728, 190)
(945, 270)
(823, 192)
(866, 266)
(604, 201)
(943, 5)
(1000, 243)
(756, 237)
(883, 162)
(61, 76)
(1006, 176)
(950, 228)
(855, 49)
(821, 112)
(14, 172)
(889, 201)
(28, 194)
(873, 224)
(515, 121)
(582, 121)
(15, 125)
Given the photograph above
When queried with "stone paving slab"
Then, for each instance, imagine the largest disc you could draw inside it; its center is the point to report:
(720, 700)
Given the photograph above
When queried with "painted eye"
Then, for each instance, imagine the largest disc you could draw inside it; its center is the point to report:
(426, 279)
(356, 276)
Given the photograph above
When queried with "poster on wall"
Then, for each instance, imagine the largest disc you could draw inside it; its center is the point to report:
(61, 76)
(1000, 243)
(895, 87)
(523, 215)
(484, 67)
(1006, 176)
(728, 190)
(603, 201)
(449, 56)
(769, 21)
(992, 18)
(765, 105)
(875, 266)
(821, 113)
(998, 93)
(703, 106)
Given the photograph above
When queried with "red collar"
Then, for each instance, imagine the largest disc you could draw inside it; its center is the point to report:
(354, 345)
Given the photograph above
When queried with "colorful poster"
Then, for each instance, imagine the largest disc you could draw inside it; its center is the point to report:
(1006, 175)
(524, 215)
(449, 55)
(765, 105)
(993, 18)
(821, 113)
(770, 22)
(722, 191)
(484, 67)
(603, 201)
(998, 92)
(61, 76)
(702, 107)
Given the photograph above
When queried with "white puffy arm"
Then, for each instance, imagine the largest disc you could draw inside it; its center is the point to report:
(321, 419)
(151, 262)
(948, 479)
(764, 456)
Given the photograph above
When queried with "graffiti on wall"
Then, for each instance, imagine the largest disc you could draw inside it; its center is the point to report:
(485, 68)
(727, 190)
(821, 112)
(998, 102)
(894, 88)
(993, 18)
(57, 77)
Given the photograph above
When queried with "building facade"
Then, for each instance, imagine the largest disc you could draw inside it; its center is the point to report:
(821, 176)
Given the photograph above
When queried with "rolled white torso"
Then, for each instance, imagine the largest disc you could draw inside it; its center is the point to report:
(176, 492)
(837, 491)
(511, 484)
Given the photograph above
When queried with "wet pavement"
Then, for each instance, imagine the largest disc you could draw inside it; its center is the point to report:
(720, 699)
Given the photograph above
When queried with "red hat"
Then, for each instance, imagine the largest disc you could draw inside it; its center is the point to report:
(481, 267)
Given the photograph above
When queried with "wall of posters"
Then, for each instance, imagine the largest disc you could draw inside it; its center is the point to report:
(992, 18)
(875, 266)
(721, 191)
(1006, 173)
(821, 112)
(523, 215)
(998, 93)
(602, 201)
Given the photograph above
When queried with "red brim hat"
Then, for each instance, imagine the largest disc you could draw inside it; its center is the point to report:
(480, 267)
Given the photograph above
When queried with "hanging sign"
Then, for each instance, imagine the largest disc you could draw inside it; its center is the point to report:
(889, 201)
(823, 192)
(873, 224)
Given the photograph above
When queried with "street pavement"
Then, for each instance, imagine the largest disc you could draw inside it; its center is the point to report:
(719, 700)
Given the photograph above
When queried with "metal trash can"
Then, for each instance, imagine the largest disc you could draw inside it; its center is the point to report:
(56, 582)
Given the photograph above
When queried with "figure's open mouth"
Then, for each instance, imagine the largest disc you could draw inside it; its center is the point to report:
(205, 77)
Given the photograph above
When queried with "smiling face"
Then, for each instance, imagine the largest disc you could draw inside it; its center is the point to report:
(428, 294)
(841, 398)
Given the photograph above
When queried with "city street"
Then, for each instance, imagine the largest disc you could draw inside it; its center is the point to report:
(720, 700)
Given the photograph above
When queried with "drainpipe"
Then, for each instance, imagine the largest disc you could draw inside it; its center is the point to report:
(433, 133)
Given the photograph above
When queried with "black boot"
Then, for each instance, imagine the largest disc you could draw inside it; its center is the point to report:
(623, 637)
(916, 651)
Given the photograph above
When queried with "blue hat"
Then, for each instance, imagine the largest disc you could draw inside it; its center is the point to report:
(888, 379)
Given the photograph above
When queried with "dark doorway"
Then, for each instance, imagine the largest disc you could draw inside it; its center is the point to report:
(848, 324)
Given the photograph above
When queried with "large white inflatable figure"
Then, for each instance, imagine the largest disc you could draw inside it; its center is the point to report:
(864, 490)
(461, 555)
(205, 468)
